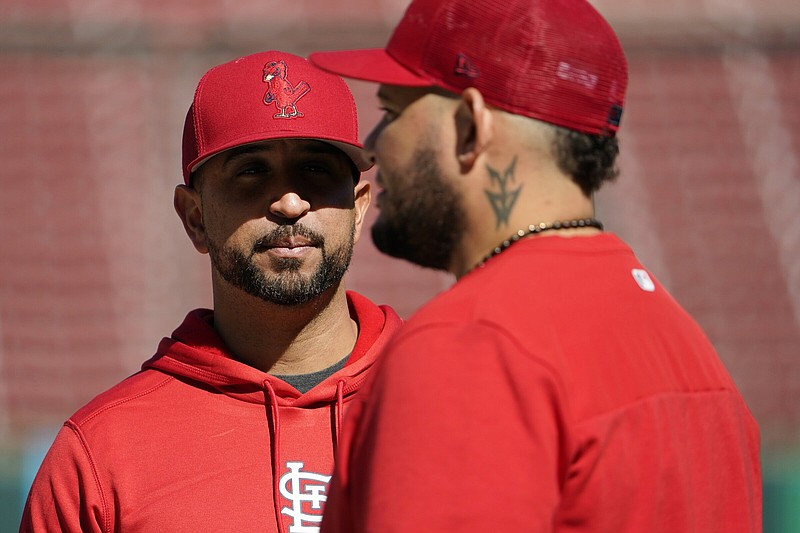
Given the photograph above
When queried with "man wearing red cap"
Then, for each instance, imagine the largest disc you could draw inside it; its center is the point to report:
(556, 386)
(233, 423)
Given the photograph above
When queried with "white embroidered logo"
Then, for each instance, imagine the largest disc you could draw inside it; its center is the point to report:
(643, 279)
(577, 75)
(303, 487)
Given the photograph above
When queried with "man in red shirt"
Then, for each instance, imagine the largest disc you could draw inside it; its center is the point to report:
(556, 387)
(232, 424)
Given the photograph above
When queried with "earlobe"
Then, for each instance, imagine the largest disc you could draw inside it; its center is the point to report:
(474, 124)
(362, 195)
(188, 205)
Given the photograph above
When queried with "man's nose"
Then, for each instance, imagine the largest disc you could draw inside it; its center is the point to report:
(289, 205)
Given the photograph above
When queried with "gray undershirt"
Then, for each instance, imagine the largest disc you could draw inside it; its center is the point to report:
(306, 382)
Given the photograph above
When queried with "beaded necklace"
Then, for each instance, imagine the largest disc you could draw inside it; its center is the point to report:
(539, 228)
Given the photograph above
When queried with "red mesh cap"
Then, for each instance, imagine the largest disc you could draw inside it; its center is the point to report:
(557, 61)
(269, 95)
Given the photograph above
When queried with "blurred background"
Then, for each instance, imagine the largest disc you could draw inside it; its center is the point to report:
(95, 267)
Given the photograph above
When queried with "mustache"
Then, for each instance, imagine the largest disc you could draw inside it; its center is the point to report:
(282, 233)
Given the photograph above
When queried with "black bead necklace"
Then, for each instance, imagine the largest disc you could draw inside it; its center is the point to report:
(539, 228)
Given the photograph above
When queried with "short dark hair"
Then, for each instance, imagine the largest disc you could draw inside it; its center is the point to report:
(589, 159)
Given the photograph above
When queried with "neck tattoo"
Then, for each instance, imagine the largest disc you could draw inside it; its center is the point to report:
(539, 228)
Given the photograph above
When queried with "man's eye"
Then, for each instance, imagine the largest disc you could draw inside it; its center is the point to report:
(316, 168)
(250, 170)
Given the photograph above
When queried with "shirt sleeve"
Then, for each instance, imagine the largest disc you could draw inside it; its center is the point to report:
(459, 432)
(66, 494)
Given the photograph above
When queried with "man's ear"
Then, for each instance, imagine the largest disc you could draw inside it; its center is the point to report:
(189, 207)
(474, 125)
(362, 194)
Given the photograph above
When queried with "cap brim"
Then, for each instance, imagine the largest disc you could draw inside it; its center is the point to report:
(356, 154)
(374, 65)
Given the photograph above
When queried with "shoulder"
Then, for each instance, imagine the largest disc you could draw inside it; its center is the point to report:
(136, 389)
(463, 350)
(536, 283)
(524, 302)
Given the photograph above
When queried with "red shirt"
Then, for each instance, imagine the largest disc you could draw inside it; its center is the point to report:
(557, 389)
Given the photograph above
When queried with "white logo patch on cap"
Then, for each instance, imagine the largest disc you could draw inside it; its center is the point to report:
(643, 280)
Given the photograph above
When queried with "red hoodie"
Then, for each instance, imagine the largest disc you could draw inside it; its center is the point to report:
(197, 441)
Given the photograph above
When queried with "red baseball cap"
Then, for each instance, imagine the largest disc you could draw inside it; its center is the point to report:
(264, 96)
(557, 61)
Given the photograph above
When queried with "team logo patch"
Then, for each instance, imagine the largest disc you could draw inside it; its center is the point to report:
(465, 67)
(643, 279)
(281, 92)
(308, 492)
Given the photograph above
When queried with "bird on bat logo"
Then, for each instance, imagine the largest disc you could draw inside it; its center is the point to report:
(281, 92)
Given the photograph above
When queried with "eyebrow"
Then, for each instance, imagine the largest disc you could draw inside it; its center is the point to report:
(311, 146)
(247, 149)
(320, 147)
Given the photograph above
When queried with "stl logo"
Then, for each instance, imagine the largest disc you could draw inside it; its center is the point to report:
(281, 93)
(303, 488)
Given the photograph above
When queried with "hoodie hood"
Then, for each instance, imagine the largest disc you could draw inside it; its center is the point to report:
(195, 351)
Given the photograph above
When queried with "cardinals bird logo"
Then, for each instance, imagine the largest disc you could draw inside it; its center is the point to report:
(281, 92)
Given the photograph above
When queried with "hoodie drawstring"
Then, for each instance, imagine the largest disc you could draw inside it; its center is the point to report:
(339, 413)
(276, 459)
(276, 439)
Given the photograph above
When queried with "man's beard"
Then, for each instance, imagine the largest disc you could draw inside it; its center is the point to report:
(288, 286)
(422, 218)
